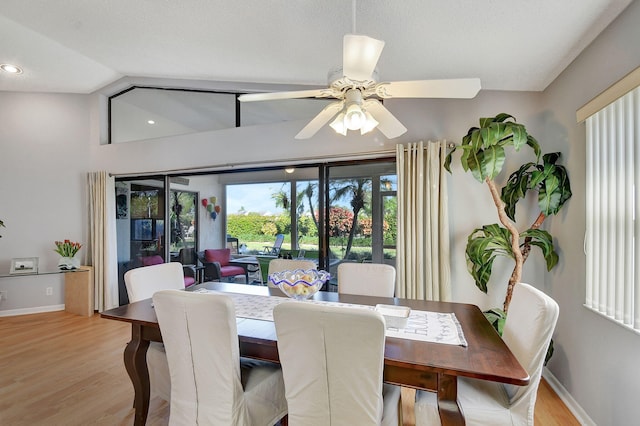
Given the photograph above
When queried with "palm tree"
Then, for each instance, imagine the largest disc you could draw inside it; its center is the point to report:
(357, 189)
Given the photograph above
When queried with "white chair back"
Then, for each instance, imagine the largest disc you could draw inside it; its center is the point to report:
(201, 341)
(370, 279)
(143, 282)
(527, 332)
(528, 329)
(279, 265)
(332, 361)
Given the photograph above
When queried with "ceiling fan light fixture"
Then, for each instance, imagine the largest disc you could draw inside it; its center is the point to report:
(338, 124)
(369, 124)
(354, 118)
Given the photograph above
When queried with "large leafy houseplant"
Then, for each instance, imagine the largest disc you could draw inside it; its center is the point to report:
(483, 154)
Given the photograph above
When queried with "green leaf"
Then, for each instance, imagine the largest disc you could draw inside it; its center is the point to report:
(447, 161)
(552, 183)
(483, 245)
(474, 163)
(486, 121)
(503, 117)
(476, 140)
(497, 318)
(549, 196)
(464, 158)
(495, 133)
(492, 161)
(516, 188)
(550, 158)
(519, 136)
(533, 143)
(542, 239)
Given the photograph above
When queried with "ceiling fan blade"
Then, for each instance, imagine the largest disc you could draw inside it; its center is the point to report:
(451, 88)
(389, 125)
(360, 56)
(315, 93)
(320, 120)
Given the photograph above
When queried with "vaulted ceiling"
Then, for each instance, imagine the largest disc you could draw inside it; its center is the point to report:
(79, 46)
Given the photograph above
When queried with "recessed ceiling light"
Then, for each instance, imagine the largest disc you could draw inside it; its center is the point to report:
(11, 69)
(151, 122)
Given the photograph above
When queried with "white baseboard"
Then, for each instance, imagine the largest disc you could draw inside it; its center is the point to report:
(568, 400)
(35, 310)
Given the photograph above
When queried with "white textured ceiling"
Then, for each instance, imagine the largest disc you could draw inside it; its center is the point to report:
(80, 46)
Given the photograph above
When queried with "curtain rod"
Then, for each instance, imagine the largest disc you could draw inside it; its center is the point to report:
(252, 164)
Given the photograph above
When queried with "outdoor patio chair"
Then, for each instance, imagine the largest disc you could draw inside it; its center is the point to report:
(274, 250)
(218, 265)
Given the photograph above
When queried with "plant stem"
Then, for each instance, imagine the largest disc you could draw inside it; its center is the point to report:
(526, 247)
(516, 276)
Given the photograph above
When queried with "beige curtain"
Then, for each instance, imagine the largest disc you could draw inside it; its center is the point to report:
(102, 239)
(422, 261)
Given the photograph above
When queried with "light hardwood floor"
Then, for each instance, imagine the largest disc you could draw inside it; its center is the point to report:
(63, 369)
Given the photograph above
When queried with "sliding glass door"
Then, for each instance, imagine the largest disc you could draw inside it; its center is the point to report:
(154, 225)
(361, 222)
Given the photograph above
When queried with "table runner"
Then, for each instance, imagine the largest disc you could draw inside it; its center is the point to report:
(435, 327)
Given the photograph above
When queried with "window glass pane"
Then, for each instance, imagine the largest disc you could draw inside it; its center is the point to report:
(389, 227)
(388, 183)
(350, 221)
(307, 217)
(145, 113)
(264, 112)
(257, 212)
(183, 220)
(146, 230)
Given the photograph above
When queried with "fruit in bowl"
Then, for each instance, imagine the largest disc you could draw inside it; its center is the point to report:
(299, 284)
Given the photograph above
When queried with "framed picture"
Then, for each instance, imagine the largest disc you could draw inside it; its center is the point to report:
(24, 265)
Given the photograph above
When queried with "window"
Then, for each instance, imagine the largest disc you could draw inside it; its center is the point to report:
(361, 221)
(140, 113)
(613, 233)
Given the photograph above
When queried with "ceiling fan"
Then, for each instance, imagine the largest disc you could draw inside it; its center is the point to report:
(358, 92)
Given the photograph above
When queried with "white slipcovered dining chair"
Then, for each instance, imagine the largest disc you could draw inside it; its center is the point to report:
(141, 284)
(527, 332)
(210, 385)
(279, 265)
(369, 279)
(332, 360)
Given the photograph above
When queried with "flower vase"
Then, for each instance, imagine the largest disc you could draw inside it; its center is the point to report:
(68, 263)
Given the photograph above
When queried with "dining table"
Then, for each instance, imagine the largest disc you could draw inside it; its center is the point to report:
(412, 363)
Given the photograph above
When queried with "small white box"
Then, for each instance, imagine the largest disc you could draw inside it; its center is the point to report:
(394, 316)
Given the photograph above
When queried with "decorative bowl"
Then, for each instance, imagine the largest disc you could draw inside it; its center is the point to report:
(299, 284)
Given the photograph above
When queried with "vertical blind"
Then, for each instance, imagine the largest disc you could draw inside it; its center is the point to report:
(613, 233)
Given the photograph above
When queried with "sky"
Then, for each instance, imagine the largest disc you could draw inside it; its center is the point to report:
(254, 197)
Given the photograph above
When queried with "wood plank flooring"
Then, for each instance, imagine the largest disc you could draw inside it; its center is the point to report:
(62, 369)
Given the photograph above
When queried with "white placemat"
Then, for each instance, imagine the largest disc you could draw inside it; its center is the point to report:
(435, 327)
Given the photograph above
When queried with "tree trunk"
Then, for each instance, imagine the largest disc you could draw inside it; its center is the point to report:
(352, 233)
(516, 276)
(526, 247)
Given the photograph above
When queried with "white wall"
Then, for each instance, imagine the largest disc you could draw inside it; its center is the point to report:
(44, 158)
(211, 232)
(49, 141)
(597, 360)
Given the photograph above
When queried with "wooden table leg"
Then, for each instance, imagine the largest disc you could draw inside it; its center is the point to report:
(448, 407)
(135, 361)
